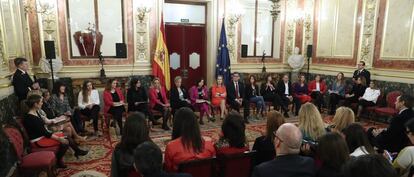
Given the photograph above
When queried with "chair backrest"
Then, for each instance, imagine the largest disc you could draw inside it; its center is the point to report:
(239, 165)
(199, 167)
(392, 97)
(411, 172)
(16, 139)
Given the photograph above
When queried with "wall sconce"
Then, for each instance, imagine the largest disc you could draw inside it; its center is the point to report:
(42, 7)
(142, 10)
(275, 9)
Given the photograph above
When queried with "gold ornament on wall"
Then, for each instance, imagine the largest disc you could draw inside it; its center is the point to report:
(141, 27)
(367, 39)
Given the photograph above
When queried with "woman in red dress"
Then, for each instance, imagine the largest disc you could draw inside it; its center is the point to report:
(218, 96)
(159, 102)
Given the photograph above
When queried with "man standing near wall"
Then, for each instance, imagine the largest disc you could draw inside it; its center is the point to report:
(21, 80)
(361, 71)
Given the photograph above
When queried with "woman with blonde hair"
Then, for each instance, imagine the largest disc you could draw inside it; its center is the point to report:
(310, 122)
(264, 145)
(344, 116)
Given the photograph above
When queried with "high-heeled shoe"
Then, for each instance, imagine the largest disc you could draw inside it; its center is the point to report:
(201, 122)
(80, 153)
(211, 119)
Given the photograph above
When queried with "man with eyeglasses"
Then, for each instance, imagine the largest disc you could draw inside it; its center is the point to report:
(235, 96)
(361, 71)
(288, 162)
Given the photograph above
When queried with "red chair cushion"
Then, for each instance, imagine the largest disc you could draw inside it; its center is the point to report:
(36, 160)
(17, 140)
(386, 111)
(35, 148)
(371, 108)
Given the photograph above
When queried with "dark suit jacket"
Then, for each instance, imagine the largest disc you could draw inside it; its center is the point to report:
(287, 165)
(248, 91)
(231, 91)
(175, 97)
(364, 73)
(394, 138)
(22, 83)
(163, 174)
(134, 95)
(280, 89)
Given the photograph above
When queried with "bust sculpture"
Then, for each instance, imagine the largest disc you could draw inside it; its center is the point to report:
(296, 61)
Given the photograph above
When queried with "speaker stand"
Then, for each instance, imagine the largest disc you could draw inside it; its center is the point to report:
(307, 72)
(51, 72)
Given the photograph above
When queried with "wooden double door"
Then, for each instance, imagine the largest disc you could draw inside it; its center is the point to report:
(187, 49)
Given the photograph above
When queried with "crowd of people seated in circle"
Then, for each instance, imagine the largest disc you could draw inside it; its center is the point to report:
(311, 148)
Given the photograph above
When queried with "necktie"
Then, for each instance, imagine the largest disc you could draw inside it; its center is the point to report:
(237, 90)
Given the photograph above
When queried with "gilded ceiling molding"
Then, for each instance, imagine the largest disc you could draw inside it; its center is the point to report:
(367, 43)
(290, 28)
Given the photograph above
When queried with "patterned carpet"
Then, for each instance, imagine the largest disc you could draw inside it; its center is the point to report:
(98, 161)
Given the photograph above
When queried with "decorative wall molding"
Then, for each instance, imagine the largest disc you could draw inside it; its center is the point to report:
(367, 44)
(290, 28)
(308, 25)
(141, 37)
(232, 24)
(48, 24)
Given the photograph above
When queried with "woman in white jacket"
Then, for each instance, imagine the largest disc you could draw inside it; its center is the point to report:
(369, 98)
(88, 103)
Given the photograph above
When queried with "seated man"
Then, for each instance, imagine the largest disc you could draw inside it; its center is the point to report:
(394, 137)
(288, 162)
(235, 96)
(285, 91)
(148, 161)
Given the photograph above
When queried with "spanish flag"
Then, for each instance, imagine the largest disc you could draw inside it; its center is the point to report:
(161, 63)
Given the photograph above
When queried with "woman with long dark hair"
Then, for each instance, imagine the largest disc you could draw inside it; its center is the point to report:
(114, 101)
(88, 103)
(233, 140)
(334, 153)
(357, 140)
(199, 99)
(358, 90)
(336, 93)
(253, 96)
(138, 99)
(134, 133)
(268, 91)
(189, 145)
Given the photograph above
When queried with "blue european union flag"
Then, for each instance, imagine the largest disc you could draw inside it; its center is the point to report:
(223, 58)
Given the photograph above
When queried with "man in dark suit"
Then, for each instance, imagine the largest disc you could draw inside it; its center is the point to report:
(21, 81)
(394, 137)
(288, 162)
(148, 161)
(235, 96)
(285, 91)
(361, 71)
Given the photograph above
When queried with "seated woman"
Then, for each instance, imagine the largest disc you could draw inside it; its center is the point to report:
(310, 122)
(264, 145)
(344, 116)
(179, 96)
(358, 90)
(218, 96)
(300, 90)
(114, 102)
(268, 91)
(199, 100)
(159, 102)
(252, 94)
(317, 89)
(357, 140)
(233, 140)
(369, 98)
(334, 153)
(336, 93)
(187, 143)
(57, 123)
(137, 98)
(135, 132)
(41, 137)
(405, 159)
(88, 103)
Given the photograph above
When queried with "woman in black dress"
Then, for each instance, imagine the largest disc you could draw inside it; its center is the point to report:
(137, 98)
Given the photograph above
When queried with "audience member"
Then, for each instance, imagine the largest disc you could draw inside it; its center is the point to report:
(317, 89)
(179, 96)
(285, 91)
(114, 102)
(369, 98)
(88, 103)
(190, 145)
(218, 96)
(233, 140)
(268, 91)
(337, 92)
(394, 137)
(310, 122)
(137, 99)
(343, 117)
(148, 161)
(288, 162)
(199, 99)
(357, 140)
(41, 137)
(135, 132)
(252, 95)
(159, 102)
(361, 71)
(358, 90)
(405, 159)
(372, 165)
(21, 80)
(264, 145)
(333, 152)
(235, 95)
(300, 90)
